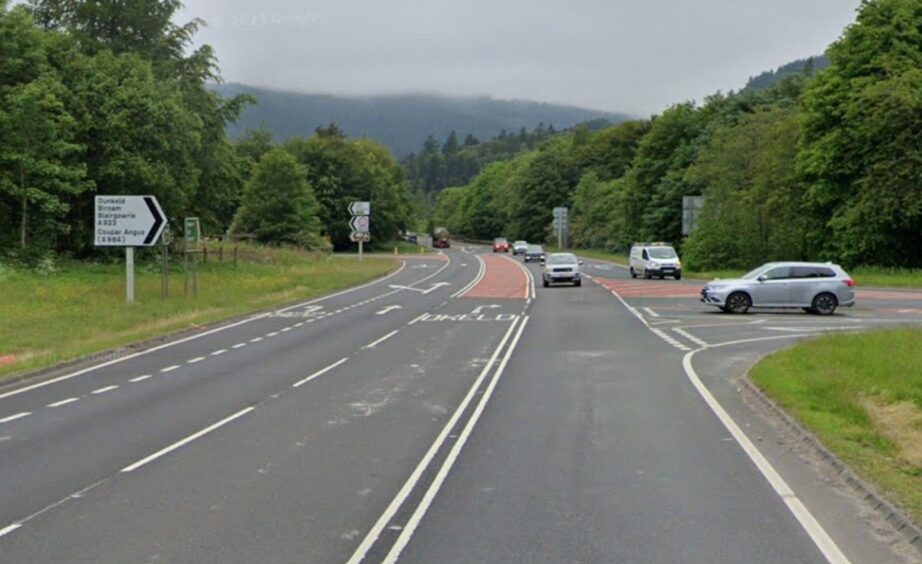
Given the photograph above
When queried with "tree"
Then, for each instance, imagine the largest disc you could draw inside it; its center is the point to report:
(862, 154)
(37, 164)
(278, 204)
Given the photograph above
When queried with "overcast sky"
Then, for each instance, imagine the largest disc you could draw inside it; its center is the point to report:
(636, 56)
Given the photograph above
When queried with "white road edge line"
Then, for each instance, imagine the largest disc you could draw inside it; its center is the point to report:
(381, 340)
(15, 417)
(417, 473)
(319, 373)
(439, 479)
(186, 441)
(62, 402)
(95, 367)
(820, 538)
(7, 530)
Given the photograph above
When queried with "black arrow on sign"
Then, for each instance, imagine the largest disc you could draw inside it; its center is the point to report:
(158, 221)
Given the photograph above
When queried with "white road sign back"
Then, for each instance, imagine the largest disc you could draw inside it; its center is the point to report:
(128, 221)
(360, 224)
(360, 208)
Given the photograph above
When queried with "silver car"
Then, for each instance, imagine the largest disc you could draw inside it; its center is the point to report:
(561, 267)
(815, 287)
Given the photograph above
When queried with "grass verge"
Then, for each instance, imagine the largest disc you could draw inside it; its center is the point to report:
(80, 309)
(861, 394)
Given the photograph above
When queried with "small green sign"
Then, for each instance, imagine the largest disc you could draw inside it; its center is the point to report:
(192, 232)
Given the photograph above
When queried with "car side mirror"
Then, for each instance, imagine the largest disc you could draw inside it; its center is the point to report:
(581, 263)
(762, 278)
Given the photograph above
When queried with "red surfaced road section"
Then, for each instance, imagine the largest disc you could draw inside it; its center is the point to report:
(887, 295)
(650, 289)
(502, 279)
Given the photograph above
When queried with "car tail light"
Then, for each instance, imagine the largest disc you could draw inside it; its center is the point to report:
(849, 282)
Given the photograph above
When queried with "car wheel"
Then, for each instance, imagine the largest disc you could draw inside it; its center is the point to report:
(578, 283)
(825, 304)
(633, 273)
(545, 282)
(738, 302)
(647, 275)
(678, 276)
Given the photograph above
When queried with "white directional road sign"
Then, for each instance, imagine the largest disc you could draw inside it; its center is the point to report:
(360, 208)
(128, 221)
(355, 237)
(360, 224)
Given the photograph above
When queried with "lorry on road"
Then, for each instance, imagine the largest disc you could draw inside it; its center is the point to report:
(440, 238)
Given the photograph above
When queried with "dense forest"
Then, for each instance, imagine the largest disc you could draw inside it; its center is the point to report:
(400, 121)
(823, 164)
(95, 99)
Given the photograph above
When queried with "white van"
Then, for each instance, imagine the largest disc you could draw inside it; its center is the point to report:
(655, 259)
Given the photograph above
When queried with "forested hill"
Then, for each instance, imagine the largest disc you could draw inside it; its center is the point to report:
(772, 77)
(402, 122)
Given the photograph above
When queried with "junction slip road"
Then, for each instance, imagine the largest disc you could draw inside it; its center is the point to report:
(450, 412)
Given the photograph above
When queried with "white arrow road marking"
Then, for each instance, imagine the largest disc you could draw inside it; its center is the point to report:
(479, 309)
(434, 287)
(389, 309)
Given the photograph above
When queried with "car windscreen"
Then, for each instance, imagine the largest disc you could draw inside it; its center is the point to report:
(662, 253)
(754, 274)
(499, 241)
(535, 249)
(561, 259)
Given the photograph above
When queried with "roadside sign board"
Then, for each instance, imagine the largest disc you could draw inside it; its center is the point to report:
(358, 237)
(192, 232)
(128, 221)
(360, 224)
(360, 208)
(691, 209)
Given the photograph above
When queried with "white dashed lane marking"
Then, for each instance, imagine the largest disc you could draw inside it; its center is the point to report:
(256, 340)
(63, 402)
(219, 352)
(104, 390)
(239, 346)
(197, 359)
(15, 417)
(141, 378)
(169, 368)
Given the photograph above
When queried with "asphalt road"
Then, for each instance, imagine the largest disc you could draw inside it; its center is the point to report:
(451, 412)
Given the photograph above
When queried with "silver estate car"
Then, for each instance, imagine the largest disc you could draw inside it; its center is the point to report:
(561, 267)
(815, 287)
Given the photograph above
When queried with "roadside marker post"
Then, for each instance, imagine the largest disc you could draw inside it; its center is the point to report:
(192, 237)
(128, 221)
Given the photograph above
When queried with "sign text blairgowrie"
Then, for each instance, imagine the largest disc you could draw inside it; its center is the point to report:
(128, 221)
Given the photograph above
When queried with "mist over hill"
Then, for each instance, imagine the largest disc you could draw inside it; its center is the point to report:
(401, 121)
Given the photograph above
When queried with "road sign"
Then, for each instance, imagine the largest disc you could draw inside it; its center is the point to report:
(691, 209)
(128, 221)
(360, 224)
(359, 237)
(192, 232)
(360, 208)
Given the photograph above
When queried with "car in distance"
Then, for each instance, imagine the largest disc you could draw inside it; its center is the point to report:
(441, 239)
(655, 259)
(519, 247)
(561, 267)
(534, 252)
(411, 237)
(817, 288)
(500, 245)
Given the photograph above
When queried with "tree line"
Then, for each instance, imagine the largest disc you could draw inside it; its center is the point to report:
(99, 99)
(822, 165)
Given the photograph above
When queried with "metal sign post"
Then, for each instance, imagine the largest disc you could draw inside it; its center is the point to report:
(128, 221)
(562, 226)
(360, 223)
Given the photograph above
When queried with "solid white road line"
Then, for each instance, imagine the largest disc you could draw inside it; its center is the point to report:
(196, 359)
(141, 378)
(439, 479)
(62, 402)
(95, 367)
(186, 441)
(7, 530)
(381, 340)
(809, 523)
(15, 417)
(169, 368)
(104, 390)
(480, 274)
(414, 478)
(319, 373)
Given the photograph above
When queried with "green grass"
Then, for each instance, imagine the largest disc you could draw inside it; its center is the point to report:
(840, 385)
(81, 309)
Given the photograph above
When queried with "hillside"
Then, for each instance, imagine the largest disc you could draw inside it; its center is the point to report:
(402, 122)
(772, 77)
